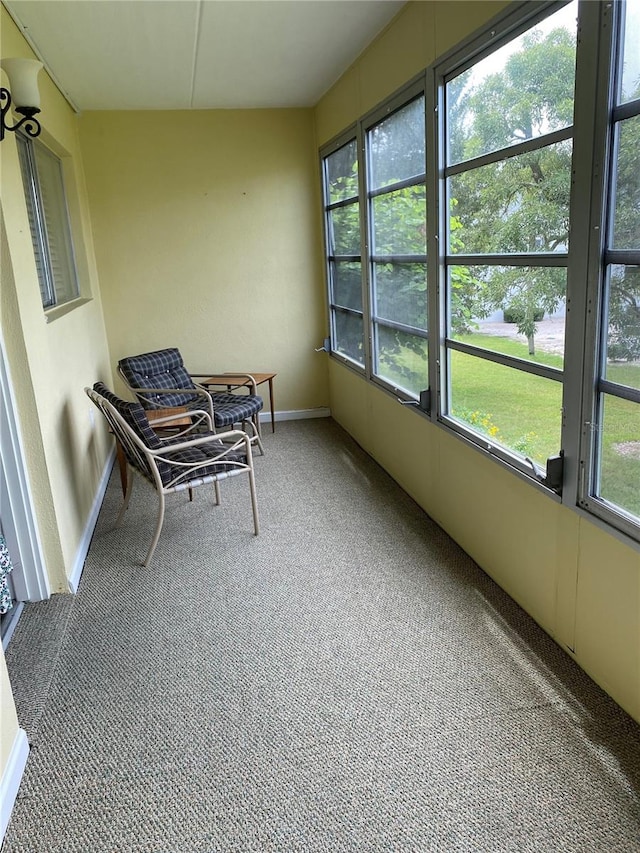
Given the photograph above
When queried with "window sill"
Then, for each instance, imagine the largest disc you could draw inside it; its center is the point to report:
(57, 311)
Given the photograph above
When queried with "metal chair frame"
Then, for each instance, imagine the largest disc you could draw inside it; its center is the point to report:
(146, 461)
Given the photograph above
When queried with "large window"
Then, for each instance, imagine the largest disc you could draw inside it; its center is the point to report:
(613, 417)
(397, 217)
(49, 221)
(342, 228)
(483, 248)
(508, 127)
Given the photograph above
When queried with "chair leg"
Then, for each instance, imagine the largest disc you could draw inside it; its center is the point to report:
(127, 496)
(216, 487)
(254, 501)
(156, 535)
(255, 434)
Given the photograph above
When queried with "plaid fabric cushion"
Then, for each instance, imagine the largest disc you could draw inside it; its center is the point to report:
(133, 413)
(160, 369)
(201, 453)
(231, 409)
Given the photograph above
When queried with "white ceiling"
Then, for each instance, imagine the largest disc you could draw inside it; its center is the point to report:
(198, 54)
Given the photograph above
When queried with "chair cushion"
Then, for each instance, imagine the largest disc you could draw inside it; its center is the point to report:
(160, 369)
(133, 414)
(230, 409)
(201, 453)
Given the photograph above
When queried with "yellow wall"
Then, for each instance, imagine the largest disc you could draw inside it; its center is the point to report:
(581, 584)
(206, 230)
(51, 362)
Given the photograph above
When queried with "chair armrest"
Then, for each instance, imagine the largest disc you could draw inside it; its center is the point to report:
(225, 380)
(144, 392)
(237, 436)
(199, 415)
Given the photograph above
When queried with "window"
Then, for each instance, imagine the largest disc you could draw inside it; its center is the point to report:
(507, 131)
(483, 248)
(612, 453)
(342, 229)
(49, 221)
(397, 217)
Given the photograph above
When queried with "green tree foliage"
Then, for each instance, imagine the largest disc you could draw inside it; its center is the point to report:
(624, 284)
(519, 204)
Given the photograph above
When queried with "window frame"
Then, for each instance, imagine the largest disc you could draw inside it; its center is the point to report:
(341, 141)
(459, 60)
(584, 261)
(414, 90)
(50, 292)
(606, 24)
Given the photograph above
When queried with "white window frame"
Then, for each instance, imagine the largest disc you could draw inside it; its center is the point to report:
(50, 226)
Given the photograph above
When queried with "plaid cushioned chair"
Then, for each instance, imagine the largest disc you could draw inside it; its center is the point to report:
(178, 462)
(160, 381)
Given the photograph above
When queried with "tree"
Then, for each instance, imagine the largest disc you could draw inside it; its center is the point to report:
(519, 204)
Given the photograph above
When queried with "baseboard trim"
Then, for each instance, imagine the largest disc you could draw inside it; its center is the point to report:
(85, 542)
(11, 779)
(296, 415)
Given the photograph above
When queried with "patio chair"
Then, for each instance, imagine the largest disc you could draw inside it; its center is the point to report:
(160, 380)
(178, 462)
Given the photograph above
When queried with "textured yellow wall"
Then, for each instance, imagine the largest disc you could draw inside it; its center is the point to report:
(580, 583)
(206, 228)
(50, 363)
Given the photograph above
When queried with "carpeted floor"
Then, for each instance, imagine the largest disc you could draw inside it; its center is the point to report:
(349, 682)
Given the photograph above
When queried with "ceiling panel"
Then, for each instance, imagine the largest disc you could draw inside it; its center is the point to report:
(198, 54)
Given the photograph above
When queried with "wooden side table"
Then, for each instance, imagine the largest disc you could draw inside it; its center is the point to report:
(240, 380)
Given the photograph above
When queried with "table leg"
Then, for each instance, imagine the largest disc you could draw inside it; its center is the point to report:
(273, 413)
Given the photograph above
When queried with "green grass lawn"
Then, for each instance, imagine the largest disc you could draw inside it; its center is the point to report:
(523, 412)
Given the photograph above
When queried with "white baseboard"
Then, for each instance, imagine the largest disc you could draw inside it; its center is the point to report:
(85, 542)
(11, 778)
(296, 415)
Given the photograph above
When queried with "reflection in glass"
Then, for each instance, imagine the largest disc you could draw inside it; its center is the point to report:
(626, 220)
(517, 311)
(349, 335)
(401, 293)
(402, 359)
(344, 230)
(399, 222)
(342, 173)
(347, 284)
(396, 146)
(619, 437)
(517, 205)
(515, 410)
(520, 91)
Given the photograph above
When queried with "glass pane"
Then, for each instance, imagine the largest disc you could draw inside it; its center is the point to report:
(56, 220)
(508, 407)
(349, 335)
(400, 293)
(517, 205)
(342, 173)
(402, 359)
(344, 230)
(400, 222)
(626, 218)
(396, 146)
(518, 311)
(40, 248)
(630, 88)
(623, 333)
(619, 435)
(521, 91)
(347, 284)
